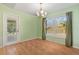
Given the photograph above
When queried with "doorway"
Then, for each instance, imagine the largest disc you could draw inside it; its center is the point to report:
(10, 29)
(56, 29)
(59, 29)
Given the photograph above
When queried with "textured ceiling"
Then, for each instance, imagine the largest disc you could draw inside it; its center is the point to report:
(31, 8)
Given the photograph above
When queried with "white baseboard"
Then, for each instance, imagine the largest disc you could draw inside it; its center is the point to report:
(76, 47)
(29, 39)
(22, 41)
(1, 46)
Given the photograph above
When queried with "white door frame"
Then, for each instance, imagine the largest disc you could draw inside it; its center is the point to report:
(5, 17)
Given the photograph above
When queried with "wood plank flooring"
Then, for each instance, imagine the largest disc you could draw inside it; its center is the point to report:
(38, 47)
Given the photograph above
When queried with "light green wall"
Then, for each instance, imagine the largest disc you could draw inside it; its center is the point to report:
(75, 21)
(29, 24)
(0, 29)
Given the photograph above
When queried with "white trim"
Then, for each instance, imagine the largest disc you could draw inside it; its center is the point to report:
(4, 29)
(74, 46)
(22, 41)
(0, 46)
(15, 17)
(19, 28)
(28, 39)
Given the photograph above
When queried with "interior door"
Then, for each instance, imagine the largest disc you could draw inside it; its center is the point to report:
(10, 30)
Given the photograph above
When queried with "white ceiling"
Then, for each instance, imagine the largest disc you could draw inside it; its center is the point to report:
(31, 8)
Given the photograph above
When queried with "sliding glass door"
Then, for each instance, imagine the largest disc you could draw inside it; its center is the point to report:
(56, 29)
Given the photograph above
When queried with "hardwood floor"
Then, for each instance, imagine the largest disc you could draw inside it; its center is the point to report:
(38, 47)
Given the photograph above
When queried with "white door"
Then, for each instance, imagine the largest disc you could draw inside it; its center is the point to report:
(10, 29)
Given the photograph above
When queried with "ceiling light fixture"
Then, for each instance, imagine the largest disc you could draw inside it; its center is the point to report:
(41, 12)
